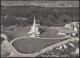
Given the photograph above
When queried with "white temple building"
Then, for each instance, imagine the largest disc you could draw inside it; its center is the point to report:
(34, 32)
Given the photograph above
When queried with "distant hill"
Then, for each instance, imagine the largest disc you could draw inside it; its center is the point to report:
(42, 3)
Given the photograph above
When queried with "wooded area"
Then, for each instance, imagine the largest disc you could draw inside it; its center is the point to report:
(46, 16)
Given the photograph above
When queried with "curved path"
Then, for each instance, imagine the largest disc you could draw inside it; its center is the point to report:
(35, 37)
(16, 39)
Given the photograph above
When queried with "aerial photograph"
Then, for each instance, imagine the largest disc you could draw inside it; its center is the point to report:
(39, 28)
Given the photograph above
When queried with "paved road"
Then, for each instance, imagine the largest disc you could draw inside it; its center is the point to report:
(53, 46)
(14, 52)
(16, 39)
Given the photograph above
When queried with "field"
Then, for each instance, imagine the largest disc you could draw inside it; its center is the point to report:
(32, 45)
(17, 32)
(50, 33)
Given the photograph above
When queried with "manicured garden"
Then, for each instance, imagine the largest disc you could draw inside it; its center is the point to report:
(32, 45)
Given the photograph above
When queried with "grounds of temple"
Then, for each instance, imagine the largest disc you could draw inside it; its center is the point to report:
(23, 46)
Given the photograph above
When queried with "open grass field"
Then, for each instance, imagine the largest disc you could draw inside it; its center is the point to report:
(18, 32)
(50, 33)
(32, 45)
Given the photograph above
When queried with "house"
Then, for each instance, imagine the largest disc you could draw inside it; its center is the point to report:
(69, 26)
(72, 25)
(67, 32)
(70, 29)
(75, 23)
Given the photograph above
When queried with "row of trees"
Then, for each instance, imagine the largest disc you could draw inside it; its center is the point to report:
(46, 16)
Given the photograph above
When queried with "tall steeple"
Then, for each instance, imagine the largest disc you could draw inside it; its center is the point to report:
(34, 23)
(34, 18)
(34, 30)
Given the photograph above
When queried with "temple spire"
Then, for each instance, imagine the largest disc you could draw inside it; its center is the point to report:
(34, 21)
(34, 32)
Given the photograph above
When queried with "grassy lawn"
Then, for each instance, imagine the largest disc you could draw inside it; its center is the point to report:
(19, 32)
(51, 33)
(31, 45)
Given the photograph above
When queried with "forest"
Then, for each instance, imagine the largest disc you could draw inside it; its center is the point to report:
(45, 16)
